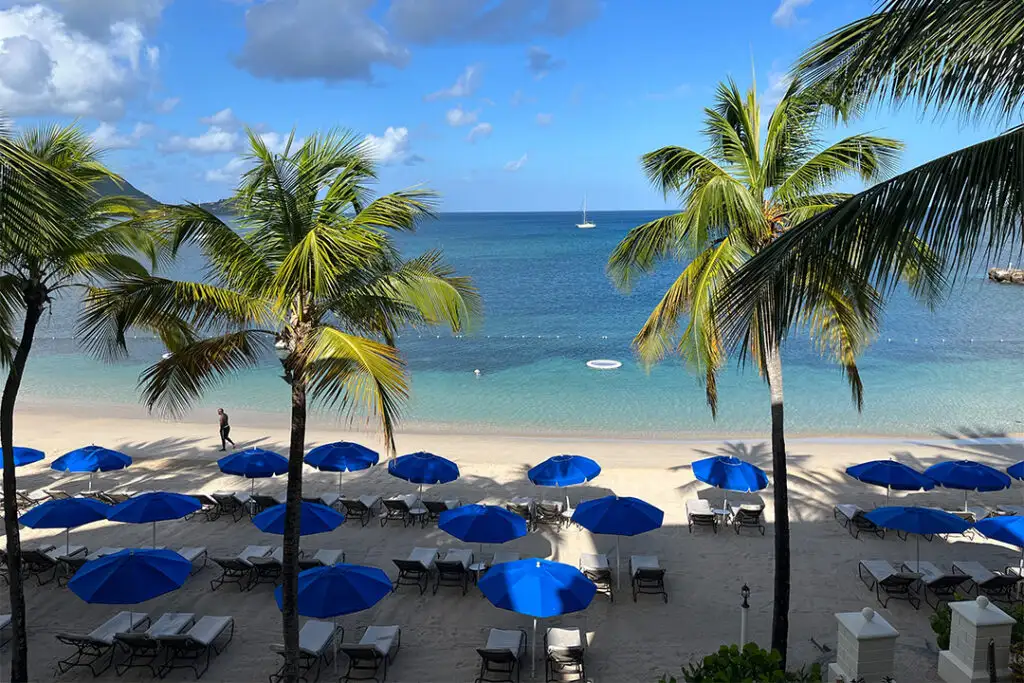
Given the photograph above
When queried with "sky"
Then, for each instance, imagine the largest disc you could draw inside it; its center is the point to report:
(499, 105)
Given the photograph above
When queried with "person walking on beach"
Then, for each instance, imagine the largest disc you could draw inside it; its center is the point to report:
(225, 430)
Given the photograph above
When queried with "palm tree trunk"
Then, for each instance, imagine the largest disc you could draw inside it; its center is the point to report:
(292, 520)
(780, 610)
(19, 640)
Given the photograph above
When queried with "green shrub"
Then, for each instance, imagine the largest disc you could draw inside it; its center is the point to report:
(749, 665)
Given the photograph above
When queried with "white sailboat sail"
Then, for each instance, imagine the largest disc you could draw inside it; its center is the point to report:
(585, 224)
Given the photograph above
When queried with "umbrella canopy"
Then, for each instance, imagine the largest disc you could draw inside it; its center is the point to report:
(537, 588)
(424, 468)
(918, 520)
(156, 506)
(254, 463)
(968, 476)
(618, 517)
(342, 456)
(1008, 529)
(130, 576)
(1016, 471)
(66, 513)
(892, 475)
(482, 524)
(91, 459)
(564, 470)
(327, 592)
(730, 473)
(27, 456)
(314, 519)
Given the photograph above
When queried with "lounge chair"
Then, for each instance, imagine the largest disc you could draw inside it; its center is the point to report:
(1010, 510)
(647, 576)
(5, 629)
(57, 494)
(67, 567)
(269, 568)
(453, 570)
(524, 507)
(993, 584)
(100, 496)
(260, 502)
(197, 646)
(229, 504)
(362, 508)
(500, 657)
(436, 507)
(316, 649)
(401, 509)
(29, 499)
(748, 516)
(118, 497)
(193, 554)
(144, 649)
(93, 648)
(376, 650)
(883, 578)
(699, 513)
(596, 568)
(38, 563)
(565, 649)
(239, 569)
(416, 570)
(549, 514)
(322, 558)
(935, 582)
(210, 509)
(859, 522)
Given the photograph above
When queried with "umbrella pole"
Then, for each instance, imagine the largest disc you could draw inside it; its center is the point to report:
(340, 475)
(965, 500)
(533, 651)
(154, 535)
(252, 486)
(887, 495)
(918, 567)
(67, 540)
(618, 569)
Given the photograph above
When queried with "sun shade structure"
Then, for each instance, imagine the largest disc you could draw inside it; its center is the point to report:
(66, 513)
(27, 456)
(341, 457)
(423, 468)
(729, 473)
(919, 521)
(618, 516)
(564, 470)
(91, 459)
(314, 519)
(968, 475)
(254, 463)
(339, 589)
(482, 524)
(153, 507)
(131, 576)
(892, 475)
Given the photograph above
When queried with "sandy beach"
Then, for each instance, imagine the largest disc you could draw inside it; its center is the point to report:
(628, 641)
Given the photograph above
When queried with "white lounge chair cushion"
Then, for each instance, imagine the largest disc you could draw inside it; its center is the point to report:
(523, 500)
(453, 503)
(329, 499)
(463, 556)
(501, 556)
(370, 501)
(560, 638)
(207, 629)
(315, 636)
(381, 637)
(410, 499)
(425, 556)
(928, 571)
(978, 572)
(637, 562)
(501, 639)
(1011, 509)
(104, 551)
(327, 556)
(242, 497)
(277, 554)
(65, 551)
(170, 624)
(848, 510)
(5, 621)
(879, 569)
(192, 553)
(254, 551)
(591, 561)
(699, 507)
(122, 622)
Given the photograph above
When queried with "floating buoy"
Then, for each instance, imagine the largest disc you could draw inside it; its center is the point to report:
(603, 364)
(476, 372)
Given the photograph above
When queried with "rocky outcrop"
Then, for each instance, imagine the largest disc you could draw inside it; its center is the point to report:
(1013, 276)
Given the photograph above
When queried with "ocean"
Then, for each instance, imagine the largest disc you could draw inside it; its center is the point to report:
(550, 307)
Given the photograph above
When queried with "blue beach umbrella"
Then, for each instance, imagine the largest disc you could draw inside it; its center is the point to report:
(482, 524)
(156, 506)
(341, 457)
(314, 519)
(891, 475)
(253, 463)
(919, 521)
(968, 475)
(617, 516)
(423, 468)
(564, 470)
(1007, 528)
(26, 456)
(537, 588)
(729, 473)
(91, 459)
(66, 514)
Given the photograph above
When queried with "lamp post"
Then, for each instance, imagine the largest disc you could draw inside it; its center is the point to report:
(744, 609)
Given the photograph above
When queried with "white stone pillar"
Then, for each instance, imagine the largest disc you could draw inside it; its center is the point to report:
(866, 647)
(974, 624)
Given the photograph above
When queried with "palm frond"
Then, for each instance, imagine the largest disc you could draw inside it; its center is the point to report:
(399, 211)
(677, 169)
(870, 157)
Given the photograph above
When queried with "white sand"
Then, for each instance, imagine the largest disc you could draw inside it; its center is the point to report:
(628, 641)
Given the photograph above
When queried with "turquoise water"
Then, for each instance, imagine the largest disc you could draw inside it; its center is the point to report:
(550, 308)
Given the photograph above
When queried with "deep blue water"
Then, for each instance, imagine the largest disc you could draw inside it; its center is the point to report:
(549, 307)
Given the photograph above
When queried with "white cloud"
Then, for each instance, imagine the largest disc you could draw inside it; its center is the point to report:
(106, 136)
(785, 14)
(228, 173)
(545, 119)
(517, 164)
(479, 132)
(459, 117)
(275, 142)
(225, 119)
(55, 64)
(166, 106)
(95, 18)
(391, 147)
(330, 40)
(214, 141)
(490, 21)
(539, 62)
(464, 86)
(519, 97)
(778, 84)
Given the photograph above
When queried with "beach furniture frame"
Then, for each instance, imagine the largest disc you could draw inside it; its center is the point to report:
(548, 514)
(597, 569)
(5, 629)
(524, 508)
(887, 581)
(416, 570)
(361, 508)
(97, 646)
(228, 504)
(699, 513)
(322, 558)
(143, 649)
(436, 507)
(500, 658)
(935, 583)
(993, 584)
(197, 646)
(376, 651)
(453, 570)
(565, 655)
(647, 576)
(316, 649)
(239, 570)
(38, 562)
(268, 568)
(747, 516)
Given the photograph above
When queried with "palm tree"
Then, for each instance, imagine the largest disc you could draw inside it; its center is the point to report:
(82, 240)
(313, 271)
(944, 56)
(737, 198)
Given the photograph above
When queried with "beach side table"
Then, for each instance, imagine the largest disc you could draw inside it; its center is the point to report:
(476, 570)
(866, 648)
(974, 624)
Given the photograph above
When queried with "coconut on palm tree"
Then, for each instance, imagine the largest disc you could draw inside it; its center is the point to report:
(311, 270)
(79, 238)
(737, 198)
(942, 56)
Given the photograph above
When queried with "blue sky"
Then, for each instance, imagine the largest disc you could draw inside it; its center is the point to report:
(497, 104)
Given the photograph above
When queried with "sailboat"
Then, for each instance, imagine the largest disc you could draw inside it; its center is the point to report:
(585, 224)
